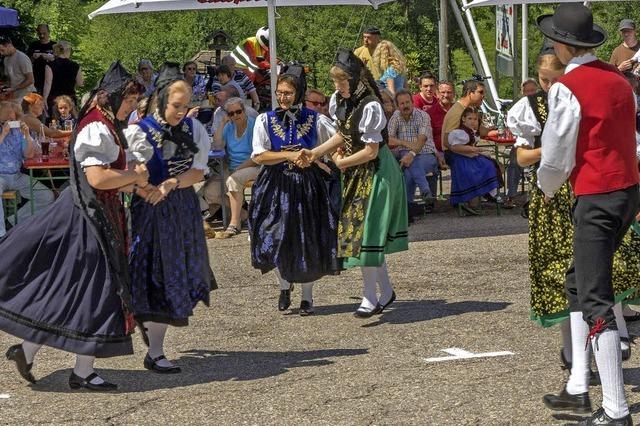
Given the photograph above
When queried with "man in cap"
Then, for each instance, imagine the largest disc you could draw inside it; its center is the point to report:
(589, 138)
(370, 39)
(622, 55)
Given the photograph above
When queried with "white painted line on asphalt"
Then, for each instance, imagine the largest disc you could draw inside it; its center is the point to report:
(457, 353)
(4, 396)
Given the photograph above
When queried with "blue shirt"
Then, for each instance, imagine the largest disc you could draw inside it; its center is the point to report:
(238, 149)
(398, 79)
(12, 152)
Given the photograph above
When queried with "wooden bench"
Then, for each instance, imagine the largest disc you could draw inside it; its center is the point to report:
(10, 201)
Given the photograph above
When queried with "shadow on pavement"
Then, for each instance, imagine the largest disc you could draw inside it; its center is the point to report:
(410, 311)
(201, 366)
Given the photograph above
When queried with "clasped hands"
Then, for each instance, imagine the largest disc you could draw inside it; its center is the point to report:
(151, 193)
(303, 158)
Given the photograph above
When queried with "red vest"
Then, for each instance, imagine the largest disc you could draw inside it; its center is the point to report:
(606, 148)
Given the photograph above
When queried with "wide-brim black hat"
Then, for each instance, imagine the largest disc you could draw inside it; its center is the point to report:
(572, 24)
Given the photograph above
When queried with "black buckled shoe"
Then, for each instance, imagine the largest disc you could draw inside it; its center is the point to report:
(626, 353)
(367, 313)
(285, 300)
(77, 382)
(16, 354)
(601, 418)
(580, 404)
(393, 299)
(152, 364)
(306, 308)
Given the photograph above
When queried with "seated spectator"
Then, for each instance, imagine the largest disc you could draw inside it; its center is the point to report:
(410, 131)
(146, 76)
(234, 136)
(64, 112)
(197, 81)
(32, 108)
(16, 145)
(225, 77)
(17, 66)
(225, 93)
(445, 100)
(388, 103)
(62, 75)
(388, 58)
(316, 100)
(472, 174)
(426, 98)
(529, 87)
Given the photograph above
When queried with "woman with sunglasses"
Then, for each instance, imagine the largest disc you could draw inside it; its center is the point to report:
(292, 219)
(234, 136)
(197, 81)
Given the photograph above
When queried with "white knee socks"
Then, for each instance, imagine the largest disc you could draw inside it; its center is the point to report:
(30, 350)
(156, 332)
(386, 290)
(369, 276)
(606, 347)
(579, 379)
(307, 292)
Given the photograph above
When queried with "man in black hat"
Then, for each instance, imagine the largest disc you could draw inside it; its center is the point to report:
(590, 139)
(370, 39)
(622, 55)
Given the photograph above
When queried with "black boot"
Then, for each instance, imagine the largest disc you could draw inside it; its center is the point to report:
(601, 418)
(580, 404)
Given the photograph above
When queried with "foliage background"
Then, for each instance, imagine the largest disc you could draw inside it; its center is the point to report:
(307, 34)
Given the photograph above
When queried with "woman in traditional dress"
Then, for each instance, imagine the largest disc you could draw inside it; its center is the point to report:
(169, 261)
(373, 219)
(65, 282)
(550, 224)
(293, 218)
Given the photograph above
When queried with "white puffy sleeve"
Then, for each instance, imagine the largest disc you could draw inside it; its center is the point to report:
(202, 141)
(260, 140)
(458, 137)
(332, 106)
(638, 145)
(523, 123)
(140, 149)
(325, 128)
(372, 123)
(95, 146)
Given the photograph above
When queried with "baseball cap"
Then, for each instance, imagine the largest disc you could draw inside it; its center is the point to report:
(627, 24)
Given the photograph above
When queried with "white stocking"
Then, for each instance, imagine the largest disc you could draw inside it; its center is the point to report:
(606, 347)
(369, 276)
(156, 332)
(386, 290)
(579, 379)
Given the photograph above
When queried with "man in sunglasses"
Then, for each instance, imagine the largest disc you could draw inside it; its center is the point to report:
(316, 100)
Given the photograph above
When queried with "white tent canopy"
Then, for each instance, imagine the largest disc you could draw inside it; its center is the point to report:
(475, 3)
(132, 6)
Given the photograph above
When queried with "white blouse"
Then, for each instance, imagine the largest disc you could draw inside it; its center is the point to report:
(371, 124)
(142, 151)
(96, 146)
(523, 123)
(261, 142)
(459, 137)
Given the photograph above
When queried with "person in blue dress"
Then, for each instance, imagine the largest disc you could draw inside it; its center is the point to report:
(293, 215)
(169, 261)
(392, 64)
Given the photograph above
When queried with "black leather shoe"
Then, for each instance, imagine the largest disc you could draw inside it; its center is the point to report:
(626, 353)
(285, 300)
(151, 364)
(601, 418)
(393, 299)
(16, 354)
(77, 382)
(580, 404)
(306, 308)
(366, 313)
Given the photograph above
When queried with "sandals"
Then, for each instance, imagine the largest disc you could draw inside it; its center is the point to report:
(231, 231)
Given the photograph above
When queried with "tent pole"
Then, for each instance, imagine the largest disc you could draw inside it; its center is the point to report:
(443, 42)
(271, 22)
(525, 42)
(483, 58)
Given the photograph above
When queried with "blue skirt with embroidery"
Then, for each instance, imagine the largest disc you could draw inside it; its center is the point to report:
(293, 222)
(471, 177)
(169, 261)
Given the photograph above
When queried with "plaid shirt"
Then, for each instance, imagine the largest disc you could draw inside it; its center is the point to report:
(418, 124)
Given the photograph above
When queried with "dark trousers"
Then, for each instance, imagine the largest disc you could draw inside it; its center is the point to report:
(600, 223)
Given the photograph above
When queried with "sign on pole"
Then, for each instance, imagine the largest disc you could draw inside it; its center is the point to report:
(505, 33)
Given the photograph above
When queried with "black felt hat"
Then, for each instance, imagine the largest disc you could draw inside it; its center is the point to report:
(115, 78)
(296, 71)
(572, 24)
(169, 73)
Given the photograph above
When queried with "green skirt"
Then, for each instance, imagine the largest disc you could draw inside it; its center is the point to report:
(551, 253)
(383, 225)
